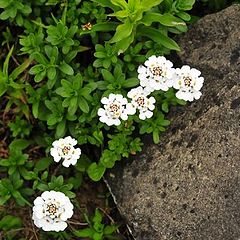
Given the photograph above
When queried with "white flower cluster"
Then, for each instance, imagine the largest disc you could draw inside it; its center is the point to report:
(64, 149)
(157, 73)
(51, 211)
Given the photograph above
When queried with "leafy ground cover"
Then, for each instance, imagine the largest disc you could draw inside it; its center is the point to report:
(60, 61)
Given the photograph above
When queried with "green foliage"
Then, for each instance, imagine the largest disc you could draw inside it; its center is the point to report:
(9, 225)
(14, 9)
(138, 16)
(96, 229)
(20, 128)
(57, 184)
(58, 59)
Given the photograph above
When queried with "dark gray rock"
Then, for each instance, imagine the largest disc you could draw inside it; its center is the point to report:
(188, 186)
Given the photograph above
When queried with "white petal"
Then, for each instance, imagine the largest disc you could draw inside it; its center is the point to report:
(111, 97)
(104, 100)
(131, 110)
(141, 69)
(142, 116)
(103, 119)
(60, 226)
(148, 114)
(70, 141)
(55, 154)
(197, 95)
(74, 161)
(38, 201)
(56, 143)
(67, 214)
(66, 163)
(195, 72)
(185, 68)
(124, 115)
(46, 195)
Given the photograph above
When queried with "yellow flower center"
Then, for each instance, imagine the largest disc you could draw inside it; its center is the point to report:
(140, 101)
(66, 150)
(187, 81)
(51, 208)
(114, 107)
(157, 71)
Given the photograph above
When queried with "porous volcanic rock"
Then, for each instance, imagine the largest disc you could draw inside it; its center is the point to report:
(188, 186)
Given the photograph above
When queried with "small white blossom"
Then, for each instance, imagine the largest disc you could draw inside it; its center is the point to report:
(157, 74)
(113, 110)
(64, 149)
(140, 101)
(189, 83)
(51, 211)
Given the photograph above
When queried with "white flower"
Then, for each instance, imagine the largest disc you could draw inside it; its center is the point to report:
(157, 74)
(64, 149)
(51, 210)
(113, 110)
(141, 102)
(189, 83)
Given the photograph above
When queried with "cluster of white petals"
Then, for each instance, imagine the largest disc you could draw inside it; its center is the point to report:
(51, 211)
(114, 109)
(188, 83)
(140, 101)
(64, 149)
(156, 74)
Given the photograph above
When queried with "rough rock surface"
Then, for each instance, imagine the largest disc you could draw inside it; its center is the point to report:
(188, 186)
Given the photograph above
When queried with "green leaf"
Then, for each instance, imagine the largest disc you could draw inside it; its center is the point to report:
(155, 136)
(4, 3)
(105, 3)
(124, 44)
(5, 162)
(52, 120)
(101, 27)
(83, 105)
(40, 58)
(184, 16)
(36, 69)
(120, 14)
(96, 172)
(20, 69)
(97, 217)
(108, 230)
(51, 72)
(28, 175)
(65, 68)
(158, 37)
(87, 232)
(18, 145)
(42, 164)
(131, 82)
(107, 76)
(123, 31)
(185, 4)
(147, 4)
(165, 107)
(73, 105)
(3, 87)
(40, 76)
(166, 19)
(10, 222)
(6, 62)
(61, 128)
(120, 3)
